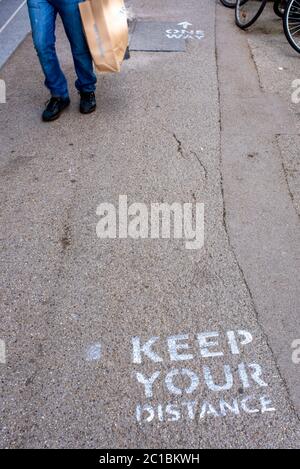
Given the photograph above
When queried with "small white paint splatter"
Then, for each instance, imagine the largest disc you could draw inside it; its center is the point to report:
(93, 352)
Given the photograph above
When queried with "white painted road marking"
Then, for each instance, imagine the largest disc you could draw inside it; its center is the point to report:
(207, 348)
(2, 352)
(184, 33)
(296, 353)
(2, 92)
(190, 410)
(296, 93)
(187, 382)
(185, 24)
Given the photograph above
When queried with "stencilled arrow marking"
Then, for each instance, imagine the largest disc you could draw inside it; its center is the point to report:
(183, 32)
(185, 24)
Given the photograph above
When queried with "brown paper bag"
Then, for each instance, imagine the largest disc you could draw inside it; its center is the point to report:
(106, 30)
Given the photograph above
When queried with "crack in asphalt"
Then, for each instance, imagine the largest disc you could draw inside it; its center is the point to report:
(66, 238)
(255, 66)
(181, 151)
(179, 146)
(285, 173)
(201, 163)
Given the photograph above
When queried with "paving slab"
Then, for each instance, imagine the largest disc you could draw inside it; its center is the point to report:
(153, 37)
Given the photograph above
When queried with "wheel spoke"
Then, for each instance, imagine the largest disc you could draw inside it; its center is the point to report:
(292, 24)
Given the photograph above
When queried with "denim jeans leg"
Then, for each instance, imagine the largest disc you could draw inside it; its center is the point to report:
(42, 15)
(70, 14)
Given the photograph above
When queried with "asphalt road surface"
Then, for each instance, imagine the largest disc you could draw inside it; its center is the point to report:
(143, 343)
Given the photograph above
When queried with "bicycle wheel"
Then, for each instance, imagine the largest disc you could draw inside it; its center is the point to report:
(229, 3)
(279, 7)
(291, 24)
(247, 12)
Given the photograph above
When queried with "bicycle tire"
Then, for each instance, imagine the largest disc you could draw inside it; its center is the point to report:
(247, 12)
(279, 8)
(229, 3)
(292, 17)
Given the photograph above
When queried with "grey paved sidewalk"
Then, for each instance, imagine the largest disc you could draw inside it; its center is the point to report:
(207, 125)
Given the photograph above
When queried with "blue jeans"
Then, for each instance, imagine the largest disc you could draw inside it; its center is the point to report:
(43, 15)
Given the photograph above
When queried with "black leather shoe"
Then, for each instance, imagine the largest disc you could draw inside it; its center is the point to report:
(54, 108)
(87, 102)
